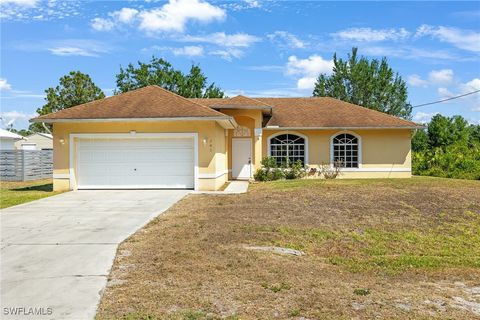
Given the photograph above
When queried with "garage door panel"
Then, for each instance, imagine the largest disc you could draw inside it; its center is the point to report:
(135, 163)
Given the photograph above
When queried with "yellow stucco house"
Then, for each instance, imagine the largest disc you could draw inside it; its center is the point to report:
(152, 138)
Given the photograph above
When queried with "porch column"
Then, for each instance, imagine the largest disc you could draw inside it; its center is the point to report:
(257, 148)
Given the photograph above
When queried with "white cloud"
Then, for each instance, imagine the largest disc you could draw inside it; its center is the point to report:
(444, 93)
(125, 15)
(407, 52)
(17, 115)
(27, 10)
(463, 39)
(189, 51)
(243, 5)
(286, 39)
(474, 99)
(471, 101)
(308, 69)
(4, 85)
(253, 3)
(17, 119)
(462, 88)
(416, 81)
(173, 16)
(277, 92)
(72, 51)
(371, 35)
(423, 117)
(21, 3)
(435, 77)
(266, 68)
(223, 39)
(225, 46)
(470, 86)
(228, 53)
(101, 24)
(76, 47)
(444, 76)
(306, 83)
(228, 46)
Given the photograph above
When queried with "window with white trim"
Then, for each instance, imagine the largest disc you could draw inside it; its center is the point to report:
(287, 147)
(345, 150)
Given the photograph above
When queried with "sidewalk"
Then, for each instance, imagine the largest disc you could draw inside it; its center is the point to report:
(234, 187)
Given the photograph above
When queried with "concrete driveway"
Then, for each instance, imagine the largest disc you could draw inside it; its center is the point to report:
(56, 253)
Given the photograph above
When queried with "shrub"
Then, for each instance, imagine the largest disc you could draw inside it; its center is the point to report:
(271, 171)
(295, 171)
(448, 148)
(330, 172)
(455, 161)
(261, 175)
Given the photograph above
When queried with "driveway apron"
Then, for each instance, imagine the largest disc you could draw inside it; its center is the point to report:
(56, 253)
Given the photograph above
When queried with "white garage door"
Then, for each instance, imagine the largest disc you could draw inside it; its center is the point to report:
(138, 163)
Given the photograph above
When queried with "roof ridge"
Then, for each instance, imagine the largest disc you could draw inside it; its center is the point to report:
(250, 98)
(186, 99)
(153, 86)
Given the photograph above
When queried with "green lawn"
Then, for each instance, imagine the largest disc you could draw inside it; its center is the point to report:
(13, 193)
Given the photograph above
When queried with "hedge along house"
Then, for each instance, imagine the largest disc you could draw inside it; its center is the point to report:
(152, 138)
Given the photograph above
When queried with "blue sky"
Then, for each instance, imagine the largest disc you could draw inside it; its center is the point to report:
(256, 48)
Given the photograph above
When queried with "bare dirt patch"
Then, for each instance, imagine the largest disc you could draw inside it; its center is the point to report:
(403, 249)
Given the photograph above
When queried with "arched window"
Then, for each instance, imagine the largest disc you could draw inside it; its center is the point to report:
(345, 150)
(287, 146)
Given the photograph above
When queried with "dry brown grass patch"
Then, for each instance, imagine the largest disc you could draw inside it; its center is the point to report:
(409, 246)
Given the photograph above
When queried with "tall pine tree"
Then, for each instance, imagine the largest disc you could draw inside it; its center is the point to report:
(371, 84)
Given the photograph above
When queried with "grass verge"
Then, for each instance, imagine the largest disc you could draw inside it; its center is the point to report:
(14, 193)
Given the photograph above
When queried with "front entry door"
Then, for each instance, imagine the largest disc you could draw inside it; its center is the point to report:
(241, 158)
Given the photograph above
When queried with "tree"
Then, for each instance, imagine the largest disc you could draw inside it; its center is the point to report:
(73, 89)
(420, 140)
(372, 84)
(22, 132)
(475, 134)
(450, 148)
(444, 131)
(161, 73)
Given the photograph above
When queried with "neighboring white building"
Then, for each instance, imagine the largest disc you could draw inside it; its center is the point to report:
(8, 139)
(36, 141)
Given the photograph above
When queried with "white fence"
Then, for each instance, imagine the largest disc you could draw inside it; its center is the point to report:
(24, 165)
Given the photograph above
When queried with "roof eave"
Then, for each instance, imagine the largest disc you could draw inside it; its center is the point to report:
(50, 120)
(342, 128)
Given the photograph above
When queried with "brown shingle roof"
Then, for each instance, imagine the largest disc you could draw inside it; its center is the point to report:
(325, 112)
(238, 102)
(156, 102)
(209, 102)
(318, 112)
(241, 101)
(146, 102)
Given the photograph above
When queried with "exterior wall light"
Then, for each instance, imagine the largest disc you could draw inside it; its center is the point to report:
(62, 141)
